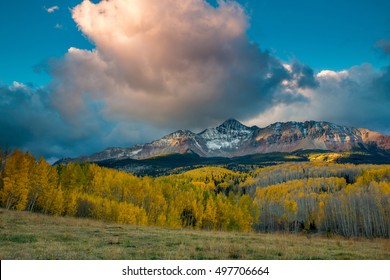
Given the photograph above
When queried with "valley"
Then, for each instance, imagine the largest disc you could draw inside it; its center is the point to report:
(178, 163)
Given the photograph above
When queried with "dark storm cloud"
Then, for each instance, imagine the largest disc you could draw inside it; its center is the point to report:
(26, 122)
(22, 111)
(384, 45)
(29, 121)
(358, 97)
(381, 85)
(304, 75)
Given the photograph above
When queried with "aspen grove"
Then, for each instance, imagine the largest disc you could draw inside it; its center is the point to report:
(345, 199)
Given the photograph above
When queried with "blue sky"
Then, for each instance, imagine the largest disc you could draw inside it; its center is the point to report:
(76, 81)
(31, 35)
(328, 34)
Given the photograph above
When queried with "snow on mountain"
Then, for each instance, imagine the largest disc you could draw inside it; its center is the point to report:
(232, 139)
(228, 136)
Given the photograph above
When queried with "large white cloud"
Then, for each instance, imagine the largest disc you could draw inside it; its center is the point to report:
(167, 62)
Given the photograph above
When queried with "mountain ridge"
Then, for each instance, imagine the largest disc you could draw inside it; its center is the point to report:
(234, 139)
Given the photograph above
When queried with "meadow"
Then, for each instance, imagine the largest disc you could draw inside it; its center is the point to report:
(25, 235)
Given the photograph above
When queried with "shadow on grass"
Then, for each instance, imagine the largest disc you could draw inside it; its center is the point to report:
(18, 238)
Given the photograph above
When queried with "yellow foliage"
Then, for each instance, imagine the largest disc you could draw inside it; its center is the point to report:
(284, 197)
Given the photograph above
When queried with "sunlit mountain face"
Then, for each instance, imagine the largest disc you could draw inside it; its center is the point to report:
(233, 139)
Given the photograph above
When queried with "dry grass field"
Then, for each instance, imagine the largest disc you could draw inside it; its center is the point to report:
(26, 235)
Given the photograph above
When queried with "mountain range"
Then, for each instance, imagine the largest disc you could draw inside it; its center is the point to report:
(232, 139)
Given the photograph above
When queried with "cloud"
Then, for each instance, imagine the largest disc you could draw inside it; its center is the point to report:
(303, 75)
(52, 9)
(384, 45)
(58, 26)
(169, 63)
(358, 97)
(30, 122)
(24, 114)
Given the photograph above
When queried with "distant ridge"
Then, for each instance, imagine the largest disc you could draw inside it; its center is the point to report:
(233, 139)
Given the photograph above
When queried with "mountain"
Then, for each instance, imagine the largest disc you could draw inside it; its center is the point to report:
(233, 139)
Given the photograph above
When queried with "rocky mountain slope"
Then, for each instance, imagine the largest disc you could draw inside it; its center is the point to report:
(233, 139)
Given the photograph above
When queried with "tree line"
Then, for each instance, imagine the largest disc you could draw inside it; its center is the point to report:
(351, 200)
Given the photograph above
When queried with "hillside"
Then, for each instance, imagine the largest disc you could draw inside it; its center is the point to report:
(312, 197)
(232, 139)
(177, 163)
(67, 238)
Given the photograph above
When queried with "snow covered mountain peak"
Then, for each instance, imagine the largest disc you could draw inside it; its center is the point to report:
(227, 137)
(233, 139)
(232, 124)
(180, 134)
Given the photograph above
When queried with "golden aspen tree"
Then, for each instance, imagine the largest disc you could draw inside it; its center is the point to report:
(70, 203)
(223, 212)
(56, 206)
(40, 181)
(210, 214)
(250, 210)
(48, 186)
(156, 208)
(14, 193)
(126, 214)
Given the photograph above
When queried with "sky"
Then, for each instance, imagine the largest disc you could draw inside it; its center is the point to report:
(80, 76)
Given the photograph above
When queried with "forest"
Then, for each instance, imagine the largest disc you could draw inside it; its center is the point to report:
(312, 197)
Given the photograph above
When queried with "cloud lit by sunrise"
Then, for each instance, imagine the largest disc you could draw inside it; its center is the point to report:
(185, 61)
(329, 74)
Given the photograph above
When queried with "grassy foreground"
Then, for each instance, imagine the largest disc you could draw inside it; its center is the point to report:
(26, 235)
